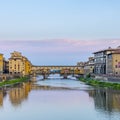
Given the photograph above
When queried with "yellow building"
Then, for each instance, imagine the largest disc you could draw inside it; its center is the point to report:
(79, 71)
(19, 64)
(28, 66)
(113, 63)
(1, 63)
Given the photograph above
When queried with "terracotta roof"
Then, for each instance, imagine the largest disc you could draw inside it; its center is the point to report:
(109, 49)
(116, 52)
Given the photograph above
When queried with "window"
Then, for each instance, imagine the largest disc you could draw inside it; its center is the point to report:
(110, 56)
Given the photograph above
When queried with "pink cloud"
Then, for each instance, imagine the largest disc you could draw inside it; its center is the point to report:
(64, 48)
(59, 45)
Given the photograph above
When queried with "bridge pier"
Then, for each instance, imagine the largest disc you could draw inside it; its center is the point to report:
(33, 77)
(65, 76)
(45, 76)
(73, 75)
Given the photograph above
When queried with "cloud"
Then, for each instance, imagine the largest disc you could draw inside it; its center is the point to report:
(58, 45)
(57, 49)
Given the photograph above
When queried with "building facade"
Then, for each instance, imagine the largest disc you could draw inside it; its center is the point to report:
(100, 62)
(113, 66)
(19, 64)
(6, 66)
(1, 63)
(89, 66)
(105, 61)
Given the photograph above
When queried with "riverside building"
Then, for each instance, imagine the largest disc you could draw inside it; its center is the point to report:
(89, 66)
(19, 65)
(107, 61)
(1, 63)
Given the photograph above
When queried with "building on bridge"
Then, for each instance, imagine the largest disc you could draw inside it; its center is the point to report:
(62, 70)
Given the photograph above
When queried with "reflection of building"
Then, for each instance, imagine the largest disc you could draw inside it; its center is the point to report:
(17, 95)
(106, 99)
(1, 63)
(27, 88)
(107, 61)
(1, 98)
(2, 95)
(19, 64)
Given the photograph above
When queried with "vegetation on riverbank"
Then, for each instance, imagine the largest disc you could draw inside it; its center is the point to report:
(98, 83)
(14, 81)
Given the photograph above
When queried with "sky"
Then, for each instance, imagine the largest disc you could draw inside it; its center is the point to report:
(56, 52)
(58, 31)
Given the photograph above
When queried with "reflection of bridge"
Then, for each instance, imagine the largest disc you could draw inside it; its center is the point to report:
(62, 70)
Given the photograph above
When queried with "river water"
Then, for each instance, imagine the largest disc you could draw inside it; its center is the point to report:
(58, 99)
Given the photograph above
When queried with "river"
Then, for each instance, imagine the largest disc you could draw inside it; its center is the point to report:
(58, 99)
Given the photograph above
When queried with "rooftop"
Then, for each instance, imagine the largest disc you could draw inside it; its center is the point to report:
(109, 49)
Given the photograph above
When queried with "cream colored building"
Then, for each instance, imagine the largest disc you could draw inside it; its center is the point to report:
(89, 66)
(19, 64)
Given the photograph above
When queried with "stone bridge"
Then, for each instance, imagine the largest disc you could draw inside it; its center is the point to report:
(62, 70)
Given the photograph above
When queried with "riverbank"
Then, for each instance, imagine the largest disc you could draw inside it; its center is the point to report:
(98, 83)
(13, 81)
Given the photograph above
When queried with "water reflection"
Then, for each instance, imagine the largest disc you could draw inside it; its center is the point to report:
(2, 96)
(20, 93)
(41, 97)
(106, 99)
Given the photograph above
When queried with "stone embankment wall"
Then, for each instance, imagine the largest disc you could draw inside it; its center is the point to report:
(4, 77)
(107, 78)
